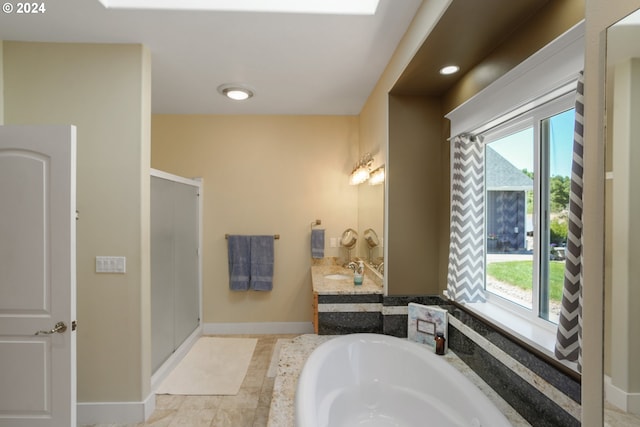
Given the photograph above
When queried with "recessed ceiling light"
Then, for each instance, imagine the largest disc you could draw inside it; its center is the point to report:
(449, 69)
(236, 92)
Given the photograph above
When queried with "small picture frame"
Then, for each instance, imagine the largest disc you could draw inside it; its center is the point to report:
(425, 321)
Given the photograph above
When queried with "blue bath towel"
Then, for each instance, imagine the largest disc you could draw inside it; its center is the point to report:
(317, 243)
(239, 262)
(261, 263)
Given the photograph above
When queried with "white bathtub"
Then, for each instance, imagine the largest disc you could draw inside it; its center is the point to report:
(379, 380)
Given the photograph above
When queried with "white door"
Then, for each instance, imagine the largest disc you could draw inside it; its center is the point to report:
(37, 276)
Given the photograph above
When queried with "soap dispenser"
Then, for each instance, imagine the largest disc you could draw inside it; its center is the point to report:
(358, 274)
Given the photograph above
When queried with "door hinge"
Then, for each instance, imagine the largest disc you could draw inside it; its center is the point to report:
(74, 325)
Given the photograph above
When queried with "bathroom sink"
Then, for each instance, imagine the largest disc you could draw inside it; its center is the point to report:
(337, 276)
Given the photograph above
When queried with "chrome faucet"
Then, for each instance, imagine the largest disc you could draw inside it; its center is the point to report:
(352, 266)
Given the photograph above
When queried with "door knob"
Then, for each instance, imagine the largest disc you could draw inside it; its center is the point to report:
(59, 327)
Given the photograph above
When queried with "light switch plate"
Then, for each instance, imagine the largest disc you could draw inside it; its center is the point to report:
(111, 264)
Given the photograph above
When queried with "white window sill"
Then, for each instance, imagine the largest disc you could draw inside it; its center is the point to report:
(536, 336)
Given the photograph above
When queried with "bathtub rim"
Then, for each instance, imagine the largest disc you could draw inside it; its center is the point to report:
(423, 351)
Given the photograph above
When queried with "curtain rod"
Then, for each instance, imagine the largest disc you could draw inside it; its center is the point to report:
(275, 236)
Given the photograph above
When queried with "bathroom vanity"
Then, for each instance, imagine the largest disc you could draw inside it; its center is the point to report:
(339, 306)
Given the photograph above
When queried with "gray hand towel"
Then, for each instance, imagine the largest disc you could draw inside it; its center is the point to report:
(261, 263)
(239, 262)
(317, 243)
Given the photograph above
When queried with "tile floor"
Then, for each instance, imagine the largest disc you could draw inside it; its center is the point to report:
(249, 408)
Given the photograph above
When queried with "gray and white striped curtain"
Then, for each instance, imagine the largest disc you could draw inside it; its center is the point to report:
(465, 279)
(569, 335)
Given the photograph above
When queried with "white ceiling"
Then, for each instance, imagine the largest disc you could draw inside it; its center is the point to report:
(297, 64)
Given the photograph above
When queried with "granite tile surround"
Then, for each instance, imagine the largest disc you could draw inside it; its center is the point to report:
(541, 391)
(537, 389)
(543, 394)
(529, 394)
(348, 314)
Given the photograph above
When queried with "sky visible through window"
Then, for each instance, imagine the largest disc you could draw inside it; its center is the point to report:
(513, 146)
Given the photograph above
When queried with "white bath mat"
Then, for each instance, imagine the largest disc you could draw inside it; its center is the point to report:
(213, 366)
(275, 358)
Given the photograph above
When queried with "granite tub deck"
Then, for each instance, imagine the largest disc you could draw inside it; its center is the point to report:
(294, 354)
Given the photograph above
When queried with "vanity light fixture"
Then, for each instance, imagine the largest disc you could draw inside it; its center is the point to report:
(377, 176)
(361, 170)
(449, 69)
(237, 92)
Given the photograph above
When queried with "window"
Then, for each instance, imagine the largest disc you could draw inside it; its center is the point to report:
(527, 107)
(527, 179)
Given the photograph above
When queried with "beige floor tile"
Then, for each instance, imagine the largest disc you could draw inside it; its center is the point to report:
(249, 408)
(247, 398)
(614, 417)
(193, 418)
(234, 417)
(160, 418)
(261, 418)
(254, 378)
(201, 402)
(169, 401)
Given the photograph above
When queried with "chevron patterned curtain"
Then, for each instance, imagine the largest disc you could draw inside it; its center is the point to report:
(569, 335)
(465, 280)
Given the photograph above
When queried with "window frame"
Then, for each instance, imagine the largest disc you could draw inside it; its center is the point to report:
(532, 118)
(545, 75)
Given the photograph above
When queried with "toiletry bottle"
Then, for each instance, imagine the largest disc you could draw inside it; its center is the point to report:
(440, 343)
(358, 274)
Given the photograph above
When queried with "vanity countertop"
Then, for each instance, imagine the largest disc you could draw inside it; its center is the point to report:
(324, 286)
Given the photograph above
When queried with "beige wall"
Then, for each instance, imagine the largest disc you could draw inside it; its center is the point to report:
(103, 90)
(374, 117)
(263, 175)
(415, 195)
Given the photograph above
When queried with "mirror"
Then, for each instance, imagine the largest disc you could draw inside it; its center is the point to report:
(372, 241)
(622, 210)
(371, 217)
(348, 240)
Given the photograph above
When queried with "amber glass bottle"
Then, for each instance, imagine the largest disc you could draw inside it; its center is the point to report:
(440, 343)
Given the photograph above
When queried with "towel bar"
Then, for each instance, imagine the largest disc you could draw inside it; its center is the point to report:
(275, 236)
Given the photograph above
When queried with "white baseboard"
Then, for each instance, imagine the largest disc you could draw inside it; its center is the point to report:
(257, 328)
(115, 412)
(628, 402)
